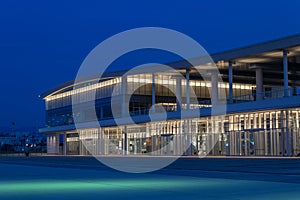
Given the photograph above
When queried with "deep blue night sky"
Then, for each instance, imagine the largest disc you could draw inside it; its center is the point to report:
(43, 43)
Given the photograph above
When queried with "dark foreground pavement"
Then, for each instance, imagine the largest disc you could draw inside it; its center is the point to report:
(77, 177)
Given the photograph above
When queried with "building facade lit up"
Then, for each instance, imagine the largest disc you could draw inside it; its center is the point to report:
(262, 87)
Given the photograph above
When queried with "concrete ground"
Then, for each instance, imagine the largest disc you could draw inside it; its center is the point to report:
(76, 177)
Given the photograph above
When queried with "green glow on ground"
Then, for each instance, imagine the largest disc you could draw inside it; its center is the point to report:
(19, 182)
(99, 185)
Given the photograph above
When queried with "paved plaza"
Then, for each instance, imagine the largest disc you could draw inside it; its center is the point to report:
(77, 177)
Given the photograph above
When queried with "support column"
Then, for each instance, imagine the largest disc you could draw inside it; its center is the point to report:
(65, 144)
(125, 141)
(259, 83)
(230, 77)
(178, 93)
(187, 88)
(123, 93)
(153, 93)
(281, 135)
(188, 124)
(100, 142)
(285, 73)
(214, 88)
(53, 143)
(287, 134)
(184, 141)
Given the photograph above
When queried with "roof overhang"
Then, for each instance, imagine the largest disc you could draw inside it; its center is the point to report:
(259, 53)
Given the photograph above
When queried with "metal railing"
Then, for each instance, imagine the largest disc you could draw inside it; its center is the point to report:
(274, 94)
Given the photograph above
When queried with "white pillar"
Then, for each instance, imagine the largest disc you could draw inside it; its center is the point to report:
(153, 93)
(187, 88)
(178, 93)
(282, 132)
(230, 77)
(53, 143)
(187, 129)
(287, 134)
(214, 88)
(259, 83)
(100, 142)
(125, 141)
(285, 74)
(123, 93)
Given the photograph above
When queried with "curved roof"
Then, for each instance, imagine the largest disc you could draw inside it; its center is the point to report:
(250, 54)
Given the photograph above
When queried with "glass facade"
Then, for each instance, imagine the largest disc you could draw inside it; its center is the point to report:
(59, 106)
(261, 91)
(265, 133)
